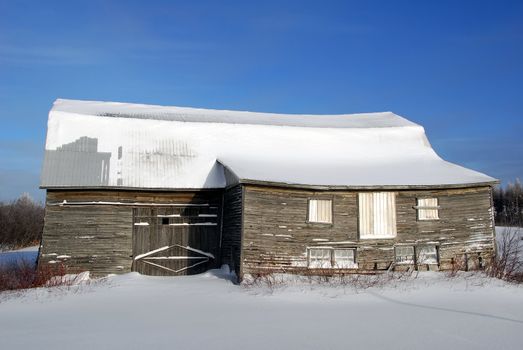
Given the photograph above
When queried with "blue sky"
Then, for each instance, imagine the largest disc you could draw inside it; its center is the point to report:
(456, 67)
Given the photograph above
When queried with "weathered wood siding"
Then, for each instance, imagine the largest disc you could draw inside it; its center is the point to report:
(182, 229)
(94, 238)
(263, 227)
(98, 237)
(276, 233)
(232, 228)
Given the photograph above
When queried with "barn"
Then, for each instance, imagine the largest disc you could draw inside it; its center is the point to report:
(173, 191)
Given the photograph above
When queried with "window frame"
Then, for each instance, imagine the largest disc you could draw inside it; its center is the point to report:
(363, 236)
(418, 254)
(308, 220)
(309, 258)
(332, 258)
(404, 262)
(351, 265)
(416, 257)
(419, 208)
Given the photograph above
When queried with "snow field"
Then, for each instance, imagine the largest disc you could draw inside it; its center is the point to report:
(133, 311)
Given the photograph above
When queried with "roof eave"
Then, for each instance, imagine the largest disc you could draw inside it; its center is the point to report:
(368, 187)
(280, 184)
(128, 188)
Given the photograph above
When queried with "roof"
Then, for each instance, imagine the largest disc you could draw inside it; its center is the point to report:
(199, 115)
(120, 145)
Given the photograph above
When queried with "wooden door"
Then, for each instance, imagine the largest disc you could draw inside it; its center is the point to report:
(175, 240)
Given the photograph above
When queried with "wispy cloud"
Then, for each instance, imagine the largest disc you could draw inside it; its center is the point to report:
(306, 22)
(103, 53)
(49, 54)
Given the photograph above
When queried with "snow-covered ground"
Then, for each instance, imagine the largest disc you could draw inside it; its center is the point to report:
(26, 255)
(131, 311)
(504, 230)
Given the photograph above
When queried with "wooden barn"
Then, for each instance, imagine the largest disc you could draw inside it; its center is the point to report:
(174, 191)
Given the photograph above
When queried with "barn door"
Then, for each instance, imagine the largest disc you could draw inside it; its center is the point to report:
(178, 240)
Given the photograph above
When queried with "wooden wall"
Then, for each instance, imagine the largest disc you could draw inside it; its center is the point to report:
(232, 228)
(276, 233)
(264, 228)
(182, 228)
(98, 237)
(94, 238)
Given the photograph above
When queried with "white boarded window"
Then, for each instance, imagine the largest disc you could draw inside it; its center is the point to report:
(427, 255)
(427, 209)
(377, 214)
(320, 210)
(404, 254)
(344, 258)
(319, 258)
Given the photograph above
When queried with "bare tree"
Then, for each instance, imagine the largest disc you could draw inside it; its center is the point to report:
(21, 222)
(508, 204)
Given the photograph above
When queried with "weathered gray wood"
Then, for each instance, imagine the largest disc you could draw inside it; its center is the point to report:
(232, 228)
(91, 238)
(99, 238)
(159, 234)
(264, 228)
(276, 233)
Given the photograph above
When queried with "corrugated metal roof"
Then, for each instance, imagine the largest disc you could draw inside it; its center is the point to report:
(90, 144)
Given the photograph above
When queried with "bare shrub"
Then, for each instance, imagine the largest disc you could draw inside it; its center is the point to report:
(23, 275)
(508, 264)
(323, 277)
(457, 264)
(319, 276)
(263, 279)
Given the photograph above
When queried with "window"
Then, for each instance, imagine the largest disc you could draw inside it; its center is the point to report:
(344, 258)
(320, 210)
(404, 254)
(427, 209)
(377, 215)
(328, 258)
(319, 258)
(427, 255)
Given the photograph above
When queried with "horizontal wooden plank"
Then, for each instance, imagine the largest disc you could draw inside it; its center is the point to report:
(276, 232)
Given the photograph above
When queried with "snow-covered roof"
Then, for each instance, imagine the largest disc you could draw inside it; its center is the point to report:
(105, 144)
(199, 115)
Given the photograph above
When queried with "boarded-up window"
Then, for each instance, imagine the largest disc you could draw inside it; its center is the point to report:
(377, 214)
(404, 254)
(427, 255)
(427, 209)
(320, 210)
(319, 258)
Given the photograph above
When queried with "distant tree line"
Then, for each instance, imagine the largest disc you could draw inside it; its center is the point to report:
(508, 204)
(21, 222)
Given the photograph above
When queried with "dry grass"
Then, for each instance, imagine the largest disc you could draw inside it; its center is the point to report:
(323, 277)
(23, 275)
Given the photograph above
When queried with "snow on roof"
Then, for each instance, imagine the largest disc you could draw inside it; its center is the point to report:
(106, 144)
(199, 115)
